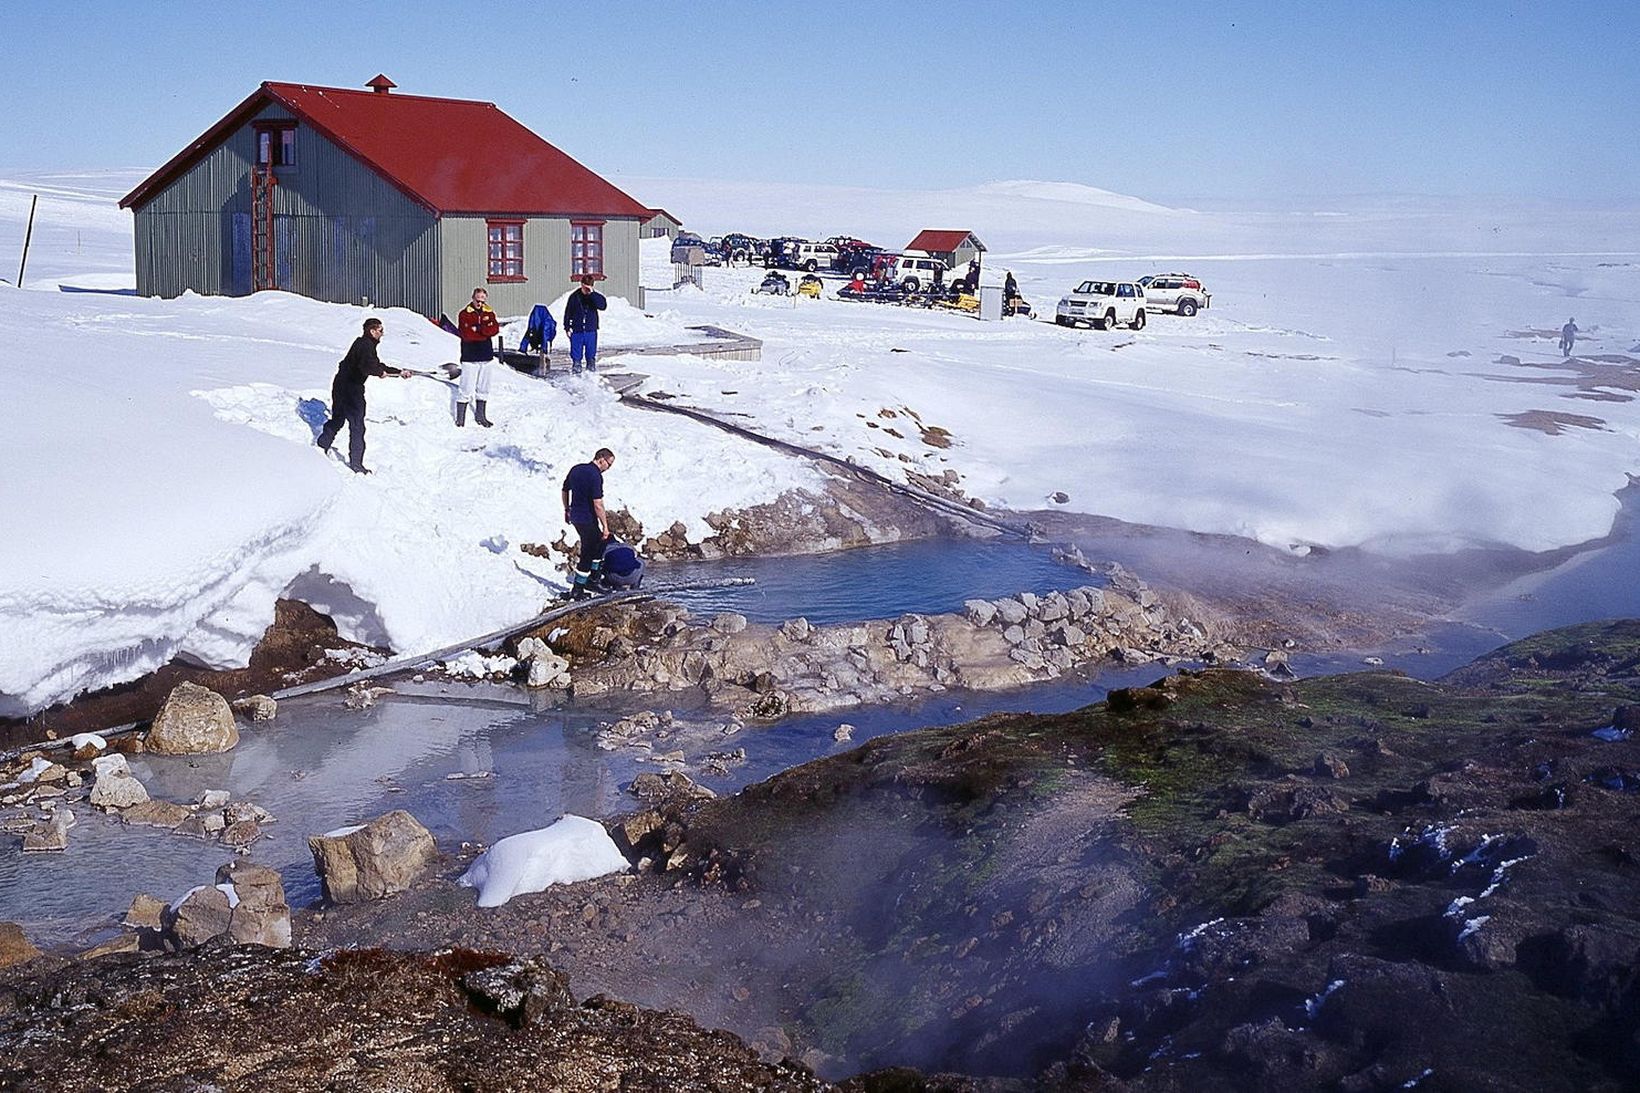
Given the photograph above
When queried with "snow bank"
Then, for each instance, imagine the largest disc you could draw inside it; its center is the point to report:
(573, 849)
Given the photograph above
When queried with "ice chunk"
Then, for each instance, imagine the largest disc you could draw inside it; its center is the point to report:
(573, 849)
(87, 739)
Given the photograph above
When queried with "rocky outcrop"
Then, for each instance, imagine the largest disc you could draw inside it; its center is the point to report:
(193, 721)
(50, 835)
(14, 947)
(373, 860)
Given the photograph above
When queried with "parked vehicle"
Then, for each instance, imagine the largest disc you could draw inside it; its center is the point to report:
(853, 256)
(911, 272)
(781, 253)
(776, 283)
(1103, 304)
(738, 249)
(1176, 292)
(810, 286)
(811, 257)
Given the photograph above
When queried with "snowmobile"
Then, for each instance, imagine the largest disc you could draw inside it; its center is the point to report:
(776, 283)
(810, 286)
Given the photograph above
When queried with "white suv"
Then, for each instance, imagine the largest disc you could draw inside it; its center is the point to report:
(914, 272)
(1179, 292)
(813, 256)
(1104, 304)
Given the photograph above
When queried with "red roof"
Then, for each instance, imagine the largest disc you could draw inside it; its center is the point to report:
(451, 155)
(933, 240)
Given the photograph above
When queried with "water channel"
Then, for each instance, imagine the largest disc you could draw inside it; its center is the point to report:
(478, 762)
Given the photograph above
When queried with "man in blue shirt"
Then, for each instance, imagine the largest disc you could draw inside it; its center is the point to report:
(583, 496)
(581, 320)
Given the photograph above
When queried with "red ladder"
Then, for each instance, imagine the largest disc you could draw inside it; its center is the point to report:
(262, 251)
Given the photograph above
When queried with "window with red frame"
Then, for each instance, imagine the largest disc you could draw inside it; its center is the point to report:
(506, 250)
(586, 248)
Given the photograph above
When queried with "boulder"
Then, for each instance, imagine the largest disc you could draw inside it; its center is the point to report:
(105, 766)
(729, 622)
(523, 993)
(14, 947)
(257, 707)
(260, 916)
(145, 913)
(1014, 635)
(51, 835)
(545, 669)
(843, 732)
(670, 786)
(240, 835)
(1011, 612)
(193, 721)
(797, 629)
(1068, 635)
(1054, 607)
(118, 791)
(373, 860)
(153, 813)
(980, 612)
(201, 914)
(212, 798)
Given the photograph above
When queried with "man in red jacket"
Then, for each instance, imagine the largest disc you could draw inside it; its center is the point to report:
(478, 326)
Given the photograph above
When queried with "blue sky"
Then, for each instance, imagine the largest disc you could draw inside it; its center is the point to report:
(1178, 103)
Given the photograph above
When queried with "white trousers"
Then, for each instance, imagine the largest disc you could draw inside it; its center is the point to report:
(475, 380)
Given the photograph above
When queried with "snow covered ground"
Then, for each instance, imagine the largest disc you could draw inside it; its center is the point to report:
(161, 488)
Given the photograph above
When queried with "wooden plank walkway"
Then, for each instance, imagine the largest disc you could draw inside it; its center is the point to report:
(717, 343)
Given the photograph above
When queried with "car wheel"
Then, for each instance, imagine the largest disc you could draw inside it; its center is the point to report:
(1108, 322)
(811, 265)
(1062, 321)
(1138, 322)
(911, 284)
(1187, 307)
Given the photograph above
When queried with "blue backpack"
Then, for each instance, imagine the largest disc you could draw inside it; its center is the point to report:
(622, 566)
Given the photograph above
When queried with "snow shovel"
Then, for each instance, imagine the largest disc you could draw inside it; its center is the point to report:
(449, 371)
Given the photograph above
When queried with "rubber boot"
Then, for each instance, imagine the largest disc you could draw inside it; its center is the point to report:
(461, 414)
(595, 579)
(478, 414)
(579, 590)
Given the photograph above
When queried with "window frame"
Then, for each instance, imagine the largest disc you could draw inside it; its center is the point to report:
(496, 266)
(278, 133)
(580, 264)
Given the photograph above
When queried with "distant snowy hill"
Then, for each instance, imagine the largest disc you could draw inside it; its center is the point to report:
(1072, 193)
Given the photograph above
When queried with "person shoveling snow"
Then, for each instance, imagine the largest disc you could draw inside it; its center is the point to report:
(347, 393)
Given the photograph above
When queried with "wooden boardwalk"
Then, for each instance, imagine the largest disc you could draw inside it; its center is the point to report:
(716, 343)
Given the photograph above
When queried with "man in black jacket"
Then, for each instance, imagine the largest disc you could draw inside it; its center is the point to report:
(581, 320)
(347, 393)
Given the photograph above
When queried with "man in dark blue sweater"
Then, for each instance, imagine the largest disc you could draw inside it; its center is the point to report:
(347, 393)
(581, 320)
(583, 497)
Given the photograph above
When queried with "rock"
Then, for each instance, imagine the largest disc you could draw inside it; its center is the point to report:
(980, 612)
(14, 947)
(105, 766)
(246, 810)
(212, 798)
(145, 913)
(201, 914)
(153, 813)
(123, 942)
(916, 631)
(1059, 497)
(212, 822)
(118, 791)
(1014, 635)
(797, 629)
(729, 622)
(374, 860)
(1054, 607)
(1077, 602)
(257, 707)
(1029, 601)
(524, 992)
(51, 835)
(240, 835)
(1011, 612)
(193, 721)
(843, 732)
(671, 785)
(1068, 636)
(261, 916)
(545, 669)
(1331, 766)
(193, 827)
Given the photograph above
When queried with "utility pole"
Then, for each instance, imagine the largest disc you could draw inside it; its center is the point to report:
(21, 266)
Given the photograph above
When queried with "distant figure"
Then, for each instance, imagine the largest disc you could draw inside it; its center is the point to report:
(1568, 337)
(973, 276)
(583, 496)
(478, 325)
(581, 320)
(1010, 287)
(347, 393)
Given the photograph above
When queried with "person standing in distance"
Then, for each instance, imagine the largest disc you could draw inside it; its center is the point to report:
(478, 325)
(1568, 337)
(347, 393)
(583, 497)
(581, 320)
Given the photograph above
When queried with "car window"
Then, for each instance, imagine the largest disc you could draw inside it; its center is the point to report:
(1124, 290)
